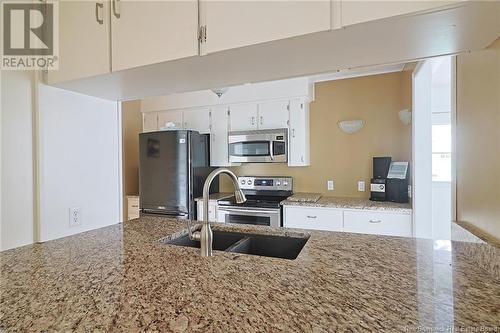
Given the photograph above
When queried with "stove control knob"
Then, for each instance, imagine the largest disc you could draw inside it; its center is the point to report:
(242, 182)
(285, 183)
(278, 183)
(249, 182)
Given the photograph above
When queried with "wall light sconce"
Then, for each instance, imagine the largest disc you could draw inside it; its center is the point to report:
(405, 117)
(219, 91)
(351, 126)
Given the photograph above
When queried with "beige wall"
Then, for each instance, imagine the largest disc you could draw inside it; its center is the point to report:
(131, 127)
(478, 139)
(348, 158)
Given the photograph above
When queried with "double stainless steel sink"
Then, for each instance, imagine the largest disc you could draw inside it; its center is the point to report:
(284, 247)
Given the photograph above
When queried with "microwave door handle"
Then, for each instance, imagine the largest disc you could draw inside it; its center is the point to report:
(271, 150)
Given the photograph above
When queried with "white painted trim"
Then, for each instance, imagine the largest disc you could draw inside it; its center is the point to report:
(421, 151)
(1, 247)
(453, 138)
(121, 193)
(357, 72)
(36, 160)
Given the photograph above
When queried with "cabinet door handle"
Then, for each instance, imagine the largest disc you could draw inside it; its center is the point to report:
(98, 6)
(253, 120)
(261, 120)
(311, 216)
(375, 221)
(116, 9)
(293, 132)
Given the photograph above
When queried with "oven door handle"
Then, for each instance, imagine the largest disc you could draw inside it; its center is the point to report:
(271, 150)
(247, 211)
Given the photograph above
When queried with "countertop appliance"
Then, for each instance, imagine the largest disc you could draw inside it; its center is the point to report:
(378, 183)
(258, 146)
(264, 195)
(397, 182)
(173, 166)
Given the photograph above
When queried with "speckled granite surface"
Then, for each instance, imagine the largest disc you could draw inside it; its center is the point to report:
(486, 253)
(121, 279)
(353, 203)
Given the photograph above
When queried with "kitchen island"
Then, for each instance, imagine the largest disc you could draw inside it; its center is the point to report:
(121, 278)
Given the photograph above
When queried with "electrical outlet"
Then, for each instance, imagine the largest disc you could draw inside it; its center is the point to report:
(361, 186)
(74, 217)
(329, 185)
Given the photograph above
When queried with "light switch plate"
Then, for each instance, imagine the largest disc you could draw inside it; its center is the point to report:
(361, 186)
(329, 185)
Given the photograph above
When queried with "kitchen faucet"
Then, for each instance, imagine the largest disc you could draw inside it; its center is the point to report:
(205, 236)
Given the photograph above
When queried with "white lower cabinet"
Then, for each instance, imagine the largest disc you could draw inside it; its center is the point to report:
(348, 220)
(212, 211)
(380, 223)
(313, 218)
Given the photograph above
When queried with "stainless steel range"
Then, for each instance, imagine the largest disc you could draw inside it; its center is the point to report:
(262, 207)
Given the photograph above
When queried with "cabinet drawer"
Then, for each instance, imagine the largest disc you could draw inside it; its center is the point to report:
(313, 218)
(370, 222)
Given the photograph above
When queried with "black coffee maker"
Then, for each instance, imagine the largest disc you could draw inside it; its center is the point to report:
(378, 183)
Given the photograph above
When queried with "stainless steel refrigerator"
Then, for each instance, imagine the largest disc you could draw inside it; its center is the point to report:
(173, 166)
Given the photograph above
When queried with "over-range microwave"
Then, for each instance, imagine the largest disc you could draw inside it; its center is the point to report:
(258, 146)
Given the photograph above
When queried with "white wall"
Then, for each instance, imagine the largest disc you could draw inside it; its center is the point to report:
(16, 179)
(79, 151)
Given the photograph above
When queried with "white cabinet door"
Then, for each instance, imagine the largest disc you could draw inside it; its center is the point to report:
(313, 218)
(273, 115)
(149, 121)
(232, 24)
(379, 223)
(298, 148)
(218, 136)
(84, 30)
(170, 119)
(363, 11)
(243, 117)
(197, 120)
(148, 32)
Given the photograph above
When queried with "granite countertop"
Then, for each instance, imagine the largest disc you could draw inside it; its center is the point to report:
(353, 203)
(121, 279)
(217, 196)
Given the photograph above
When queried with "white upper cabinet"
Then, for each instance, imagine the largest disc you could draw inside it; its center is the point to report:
(148, 32)
(243, 117)
(298, 148)
(219, 124)
(149, 121)
(197, 120)
(170, 119)
(84, 30)
(353, 12)
(236, 23)
(273, 115)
